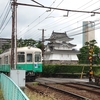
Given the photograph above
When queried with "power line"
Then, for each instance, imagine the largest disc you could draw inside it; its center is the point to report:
(5, 25)
(8, 9)
(44, 18)
(4, 9)
(36, 18)
(40, 22)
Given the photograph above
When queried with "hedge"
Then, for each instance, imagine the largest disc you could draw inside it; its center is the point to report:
(49, 70)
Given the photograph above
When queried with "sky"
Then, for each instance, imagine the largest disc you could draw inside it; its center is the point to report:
(31, 20)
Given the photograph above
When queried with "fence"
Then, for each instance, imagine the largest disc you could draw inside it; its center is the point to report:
(10, 90)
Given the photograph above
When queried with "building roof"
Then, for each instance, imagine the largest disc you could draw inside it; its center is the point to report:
(63, 51)
(67, 44)
(59, 36)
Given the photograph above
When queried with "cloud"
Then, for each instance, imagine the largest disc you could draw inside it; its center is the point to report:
(30, 19)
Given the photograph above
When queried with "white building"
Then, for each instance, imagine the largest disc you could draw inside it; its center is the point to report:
(59, 50)
(88, 31)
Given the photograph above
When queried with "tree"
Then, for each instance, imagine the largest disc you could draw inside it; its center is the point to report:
(83, 56)
(22, 43)
(39, 45)
(84, 51)
(1, 51)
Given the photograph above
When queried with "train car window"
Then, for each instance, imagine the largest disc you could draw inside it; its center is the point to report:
(29, 57)
(6, 59)
(37, 57)
(21, 57)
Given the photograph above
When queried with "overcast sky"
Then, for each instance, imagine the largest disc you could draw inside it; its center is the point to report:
(30, 20)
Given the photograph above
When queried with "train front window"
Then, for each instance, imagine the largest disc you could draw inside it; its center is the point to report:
(21, 57)
(37, 57)
(29, 57)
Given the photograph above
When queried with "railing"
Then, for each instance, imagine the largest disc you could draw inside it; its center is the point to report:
(10, 90)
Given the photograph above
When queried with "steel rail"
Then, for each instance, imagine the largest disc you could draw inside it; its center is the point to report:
(66, 92)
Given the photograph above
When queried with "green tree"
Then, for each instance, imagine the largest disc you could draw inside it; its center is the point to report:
(84, 51)
(39, 45)
(22, 43)
(83, 56)
(1, 51)
(25, 42)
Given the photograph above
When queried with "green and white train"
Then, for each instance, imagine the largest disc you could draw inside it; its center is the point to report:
(27, 58)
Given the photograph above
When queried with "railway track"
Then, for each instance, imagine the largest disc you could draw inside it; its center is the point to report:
(59, 94)
(67, 90)
(81, 86)
(89, 91)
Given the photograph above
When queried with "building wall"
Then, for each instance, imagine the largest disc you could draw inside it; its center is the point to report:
(88, 31)
(59, 62)
(62, 47)
(3, 41)
(62, 57)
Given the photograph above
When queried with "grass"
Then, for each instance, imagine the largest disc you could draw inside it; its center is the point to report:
(1, 95)
(36, 96)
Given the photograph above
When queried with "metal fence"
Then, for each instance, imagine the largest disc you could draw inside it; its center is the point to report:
(10, 90)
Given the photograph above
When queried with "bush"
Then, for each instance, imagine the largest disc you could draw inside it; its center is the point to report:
(52, 70)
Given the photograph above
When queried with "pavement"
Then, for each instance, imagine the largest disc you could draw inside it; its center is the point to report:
(63, 80)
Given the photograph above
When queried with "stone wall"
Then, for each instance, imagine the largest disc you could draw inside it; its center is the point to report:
(59, 62)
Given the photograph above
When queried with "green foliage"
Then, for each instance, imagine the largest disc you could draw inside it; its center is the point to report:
(39, 44)
(25, 42)
(84, 53)
(96, 70)
(1, 51)
(22, 43)
(50, 70)
(83, 56)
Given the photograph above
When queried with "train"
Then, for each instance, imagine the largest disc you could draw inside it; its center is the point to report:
(27, 58)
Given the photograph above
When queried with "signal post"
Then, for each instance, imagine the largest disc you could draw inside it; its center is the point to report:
(91, 47)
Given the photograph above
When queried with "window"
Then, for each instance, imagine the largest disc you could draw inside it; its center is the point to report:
(29, 57)
(37, 57)
(21, 57)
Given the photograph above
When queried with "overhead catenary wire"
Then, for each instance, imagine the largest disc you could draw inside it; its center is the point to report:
(5, 25)
(39, 23)
(31, 32)
(33, 27)
(44, 18)
(4, 17)
(72, 20)
(35, 19)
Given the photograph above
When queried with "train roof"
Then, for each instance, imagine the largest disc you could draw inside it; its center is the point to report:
(28, 48)
(21, 49)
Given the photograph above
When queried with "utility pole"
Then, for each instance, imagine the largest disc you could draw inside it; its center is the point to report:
(42, 44)
(13, 32)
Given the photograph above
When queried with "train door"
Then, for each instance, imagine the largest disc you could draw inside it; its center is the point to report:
(37, 62)
(29, 61)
